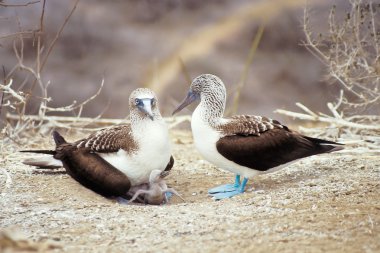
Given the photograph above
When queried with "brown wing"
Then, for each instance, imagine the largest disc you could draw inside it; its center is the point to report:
(92, 171)
(271, 148)
(110, 140)
(248, 125)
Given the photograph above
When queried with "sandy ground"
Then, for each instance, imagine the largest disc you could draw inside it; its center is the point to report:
(328, 203)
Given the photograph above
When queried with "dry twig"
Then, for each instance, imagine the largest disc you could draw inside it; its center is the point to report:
(16, 101)
(79, 123)
(18, 5)
(351, 53)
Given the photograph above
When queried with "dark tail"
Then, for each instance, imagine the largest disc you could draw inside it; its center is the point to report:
(58, 138)
(326, 146)
(47, 162)
(44, 162)
(48, 152)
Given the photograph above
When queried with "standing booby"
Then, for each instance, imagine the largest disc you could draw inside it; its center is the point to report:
(246, 145)
(133, 150)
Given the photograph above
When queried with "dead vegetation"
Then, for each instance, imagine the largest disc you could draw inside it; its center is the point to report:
(15, 99)
(26, 82)
(350, 52)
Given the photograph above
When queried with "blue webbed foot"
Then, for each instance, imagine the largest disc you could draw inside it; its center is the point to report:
(228, 194)
(226, 187)
(223, 188)
(225, 195)
(168, 195)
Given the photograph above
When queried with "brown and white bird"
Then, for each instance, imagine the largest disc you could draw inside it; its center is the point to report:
(133, 150)
(246, 145)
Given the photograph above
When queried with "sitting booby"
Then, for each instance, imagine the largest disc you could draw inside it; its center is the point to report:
(155, 192)
(113, 159)
(246, 145)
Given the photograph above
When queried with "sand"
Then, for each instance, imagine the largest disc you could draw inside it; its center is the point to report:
(326, 203)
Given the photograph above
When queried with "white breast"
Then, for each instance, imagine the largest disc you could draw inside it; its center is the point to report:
(205, 138)
(154, 153)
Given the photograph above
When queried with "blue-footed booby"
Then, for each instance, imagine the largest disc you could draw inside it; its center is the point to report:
(246, 145)
(112, 160)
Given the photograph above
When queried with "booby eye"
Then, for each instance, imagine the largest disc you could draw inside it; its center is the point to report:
(137, 101)
(153, 102)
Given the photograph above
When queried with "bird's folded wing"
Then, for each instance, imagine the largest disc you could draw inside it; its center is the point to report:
(110, 140)
(272, 148)
(249, 125)
(260, 143)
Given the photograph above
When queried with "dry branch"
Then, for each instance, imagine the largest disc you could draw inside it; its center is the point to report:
(74, 105)
(8, 90)
(350, 52)
(75, 121)
(58, 33)
(336, 121)
(16, 101)
(18, 5)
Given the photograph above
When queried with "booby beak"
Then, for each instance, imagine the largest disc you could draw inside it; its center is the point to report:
(145, 106)
(164, 174)
(191, 97)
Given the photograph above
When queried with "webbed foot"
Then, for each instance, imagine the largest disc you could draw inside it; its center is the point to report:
(225, 195)
(228, 194)
(226, 187)
(168, 195)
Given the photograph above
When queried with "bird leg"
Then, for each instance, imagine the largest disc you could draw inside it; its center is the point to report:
(137, 193)
(226, 187)
(171, 190)
(238, 190)
(164, 188)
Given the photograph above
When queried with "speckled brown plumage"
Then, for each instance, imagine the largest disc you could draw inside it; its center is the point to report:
(110, 140)
(248, 125)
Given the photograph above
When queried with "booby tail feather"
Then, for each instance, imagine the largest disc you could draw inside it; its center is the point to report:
(325, 145)
(45, 162)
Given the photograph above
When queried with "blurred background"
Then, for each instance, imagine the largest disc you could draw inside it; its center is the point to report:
(141, 43)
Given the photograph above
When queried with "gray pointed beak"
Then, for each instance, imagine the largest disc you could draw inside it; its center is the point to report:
(146, 107)
(164, 174)
(191, 97)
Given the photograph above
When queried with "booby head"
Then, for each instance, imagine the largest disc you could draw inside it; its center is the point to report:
(143, 103)
(208, 89)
